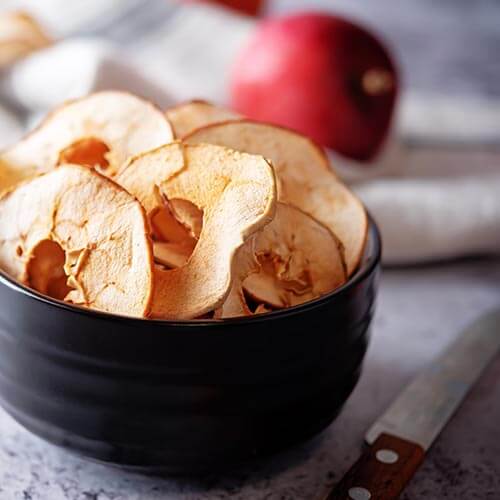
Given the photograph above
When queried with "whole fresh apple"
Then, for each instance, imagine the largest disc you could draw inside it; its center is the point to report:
(320, 75)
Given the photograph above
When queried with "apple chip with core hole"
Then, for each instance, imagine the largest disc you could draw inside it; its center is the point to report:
(305, 179)
(172, 255)
(75, 235)
(189, 116)
(236, 193)
(176, 227)
(102, 130)
(297, 259)
(20, 35)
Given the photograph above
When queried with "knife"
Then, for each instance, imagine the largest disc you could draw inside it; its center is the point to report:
(398, 440)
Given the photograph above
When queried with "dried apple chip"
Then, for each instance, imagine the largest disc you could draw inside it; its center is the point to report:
(244, 264)
(20, 34)
(191, 115)
(262, 309)
(236, 193)
(188, 215)
(304, 178)
(176, 228)
(172, 255)
(101, 130)
(297, 259)
(77, 236)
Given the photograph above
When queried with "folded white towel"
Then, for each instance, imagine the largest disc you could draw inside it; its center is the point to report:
(435, 218)
(73, 68)
(427, 208)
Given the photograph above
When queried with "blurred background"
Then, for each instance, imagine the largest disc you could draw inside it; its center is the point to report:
(445, 46)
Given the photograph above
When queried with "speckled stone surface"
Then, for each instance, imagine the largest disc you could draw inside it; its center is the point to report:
(420, 311)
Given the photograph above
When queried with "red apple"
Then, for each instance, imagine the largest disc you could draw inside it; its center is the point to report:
(320, 75)
(250, 7)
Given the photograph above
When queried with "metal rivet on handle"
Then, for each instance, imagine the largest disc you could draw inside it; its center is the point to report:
(358, 493)
(387, 456)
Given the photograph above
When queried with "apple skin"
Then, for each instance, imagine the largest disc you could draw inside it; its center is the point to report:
(320, 75)
(249, 7)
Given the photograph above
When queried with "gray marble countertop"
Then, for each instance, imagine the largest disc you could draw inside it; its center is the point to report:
(420, 310)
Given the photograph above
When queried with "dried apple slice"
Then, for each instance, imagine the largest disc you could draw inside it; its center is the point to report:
(176, 228)
(191, 115)
(237, 194)
(45, 270)
(262, 309)
(75, 235)
(172, 255)
(101, 130)
(180, 229)
(304, 178)
(20, 34)
(244, 264)
(188, 215)
(234, 306)
(297, 259)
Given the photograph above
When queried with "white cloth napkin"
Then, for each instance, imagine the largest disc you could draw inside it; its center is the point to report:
(431, 202)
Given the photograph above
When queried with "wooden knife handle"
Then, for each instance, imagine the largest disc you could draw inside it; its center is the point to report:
(382, 471)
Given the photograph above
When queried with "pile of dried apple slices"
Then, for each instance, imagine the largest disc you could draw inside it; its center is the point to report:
(113, 205)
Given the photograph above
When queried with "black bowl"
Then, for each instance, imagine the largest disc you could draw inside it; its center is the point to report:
(183, 396)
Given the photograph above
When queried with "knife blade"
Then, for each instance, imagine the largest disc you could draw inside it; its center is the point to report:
(399, 439)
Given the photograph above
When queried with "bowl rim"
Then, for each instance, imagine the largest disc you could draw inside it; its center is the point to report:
(373, 259)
